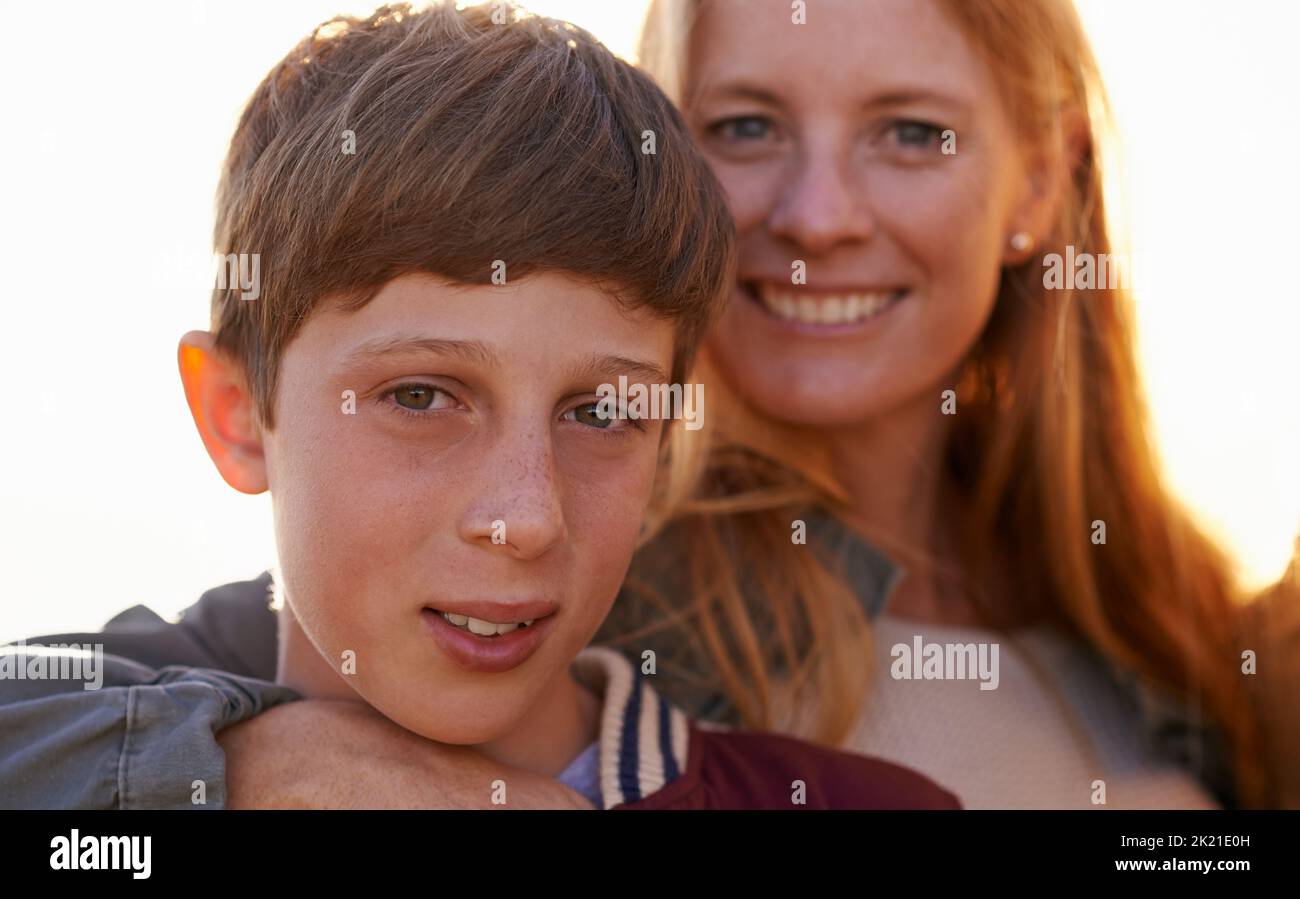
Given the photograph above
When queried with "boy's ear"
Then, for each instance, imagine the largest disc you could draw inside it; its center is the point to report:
(224, 412)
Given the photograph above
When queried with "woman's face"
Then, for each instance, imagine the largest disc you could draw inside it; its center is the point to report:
(871, 145)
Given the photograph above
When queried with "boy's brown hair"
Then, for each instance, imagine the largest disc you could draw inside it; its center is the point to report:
(480, 134)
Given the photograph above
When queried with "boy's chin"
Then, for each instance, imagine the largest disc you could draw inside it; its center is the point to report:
(470, 722)
(474, 736)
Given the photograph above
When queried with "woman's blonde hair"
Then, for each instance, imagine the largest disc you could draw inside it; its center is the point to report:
(1052, 437)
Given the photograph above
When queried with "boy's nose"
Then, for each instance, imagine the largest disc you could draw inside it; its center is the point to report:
(519, 507)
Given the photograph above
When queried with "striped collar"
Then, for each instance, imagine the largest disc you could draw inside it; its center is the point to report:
(643, 739)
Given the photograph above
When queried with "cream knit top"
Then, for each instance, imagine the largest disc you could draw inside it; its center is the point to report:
(1054, 725)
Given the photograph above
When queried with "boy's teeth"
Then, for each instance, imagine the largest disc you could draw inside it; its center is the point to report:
(483, 628)
(825, 310)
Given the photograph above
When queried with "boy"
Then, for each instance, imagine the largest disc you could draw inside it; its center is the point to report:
(464, 224)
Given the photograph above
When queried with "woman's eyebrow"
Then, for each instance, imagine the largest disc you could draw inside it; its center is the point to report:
(468, 350)
(886, 99)
(908, 95)
(739, 90)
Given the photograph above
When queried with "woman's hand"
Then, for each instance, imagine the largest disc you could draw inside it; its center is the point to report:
(345, 755)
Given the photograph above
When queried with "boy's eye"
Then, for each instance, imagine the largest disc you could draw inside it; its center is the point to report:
(419, 397)
(594, 416)
(591, 415)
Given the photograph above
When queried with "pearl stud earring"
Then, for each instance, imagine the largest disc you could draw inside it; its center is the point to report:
(1021, 241)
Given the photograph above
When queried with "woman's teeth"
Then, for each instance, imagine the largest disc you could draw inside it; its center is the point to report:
(483, 628)
(827, 309)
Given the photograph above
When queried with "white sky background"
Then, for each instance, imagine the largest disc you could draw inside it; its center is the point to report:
(116, 117)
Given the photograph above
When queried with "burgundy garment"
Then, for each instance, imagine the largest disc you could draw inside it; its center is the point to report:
(743, 770)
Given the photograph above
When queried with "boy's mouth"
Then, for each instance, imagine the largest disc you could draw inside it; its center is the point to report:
(482, 628)
(496, 638)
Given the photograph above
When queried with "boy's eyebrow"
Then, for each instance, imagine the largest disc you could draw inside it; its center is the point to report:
(469, 350)
(611, 366)
(595, 365)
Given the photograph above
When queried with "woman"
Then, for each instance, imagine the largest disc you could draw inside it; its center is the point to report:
(916, 161)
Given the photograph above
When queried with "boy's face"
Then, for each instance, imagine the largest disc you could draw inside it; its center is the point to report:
(474, 478)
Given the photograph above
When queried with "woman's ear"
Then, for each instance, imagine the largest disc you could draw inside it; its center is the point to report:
(224, 412)
(1049, 171)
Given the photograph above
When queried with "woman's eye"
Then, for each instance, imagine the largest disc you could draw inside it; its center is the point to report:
(742, 128)
(419, 397)
(919, 135)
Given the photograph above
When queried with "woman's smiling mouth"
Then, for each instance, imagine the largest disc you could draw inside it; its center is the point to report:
(823, 308)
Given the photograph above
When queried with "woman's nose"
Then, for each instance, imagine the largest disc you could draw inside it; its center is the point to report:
(820, 207)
